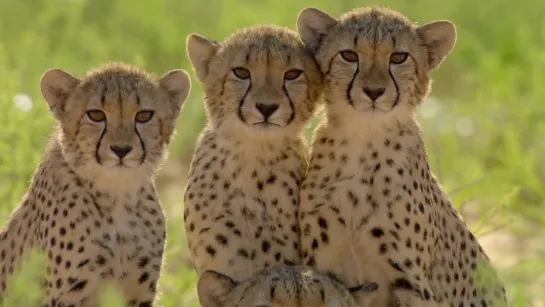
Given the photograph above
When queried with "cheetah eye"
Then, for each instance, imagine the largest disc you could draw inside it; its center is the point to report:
(241, 73)
(96, 115)
(349, 55)
(292, 74)
(398, 57)
(144, 116)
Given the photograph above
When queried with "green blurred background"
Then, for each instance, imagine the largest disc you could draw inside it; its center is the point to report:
(484, 122)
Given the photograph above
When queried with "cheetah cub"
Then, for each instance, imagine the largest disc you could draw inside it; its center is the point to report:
(370, 208)
(282, 285)
(92, 205)
(261, 87)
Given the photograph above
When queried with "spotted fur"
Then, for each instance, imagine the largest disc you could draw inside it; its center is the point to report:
(91, 206)
(370, 208)
(242, 192)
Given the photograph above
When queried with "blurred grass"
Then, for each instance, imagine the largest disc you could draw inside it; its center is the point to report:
(484, 124)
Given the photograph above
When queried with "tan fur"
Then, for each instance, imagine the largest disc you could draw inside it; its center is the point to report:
(279, 286)
(98, 221)
(241, 195)
(370, 208)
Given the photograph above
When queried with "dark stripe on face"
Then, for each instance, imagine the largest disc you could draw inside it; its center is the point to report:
(240, 115)
(137, 100)
(292, 108)
(330, 64)
(97, 147)
(142, 144)
(396, 102)
(351, 84)
(223, 85)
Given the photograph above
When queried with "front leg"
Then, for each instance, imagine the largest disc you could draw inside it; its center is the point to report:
(140, 284)
(75, 271)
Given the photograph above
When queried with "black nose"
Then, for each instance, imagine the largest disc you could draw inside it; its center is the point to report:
(121, 151)
(266, 109)
(374, 93)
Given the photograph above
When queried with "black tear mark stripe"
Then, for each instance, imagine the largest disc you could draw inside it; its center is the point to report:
(142, 144)
(351, 84)
(292, 108)
(330, 64)
(240, 115)
(396, 102)
(97, 148)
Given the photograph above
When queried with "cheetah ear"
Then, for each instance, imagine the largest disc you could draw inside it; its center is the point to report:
(364, 293)
(200, 50)
(213, 288)
(439, 37)
(313, 25)
(177, 84)
(56, 86)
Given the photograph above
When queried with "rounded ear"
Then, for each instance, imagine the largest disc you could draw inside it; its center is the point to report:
(177, 84)
(313, 24)
(439, 38)
(56, 85)
(364, 293)
(213, 288)
(200, 50)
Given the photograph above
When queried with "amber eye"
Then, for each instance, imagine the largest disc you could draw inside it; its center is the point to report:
(241, 73)
(144, 116)
(96, 115)
(349, 55)
(292, 74)
(398, 57)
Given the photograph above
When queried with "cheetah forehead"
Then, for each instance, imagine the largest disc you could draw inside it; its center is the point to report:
(377, 25)
(118, 76)
(284, 279)
(262, 44)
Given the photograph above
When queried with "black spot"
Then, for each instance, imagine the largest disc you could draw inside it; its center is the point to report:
(143, 277)
(79, 286)
(143, 262)
(265, 246)
(211, 251)
(222, 240)
(100, 260)
(322, 222)
(377, 232)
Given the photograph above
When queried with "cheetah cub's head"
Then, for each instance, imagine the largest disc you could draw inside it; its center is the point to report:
(376, 61)
(280, 286)
(116, 121)
(260, 81)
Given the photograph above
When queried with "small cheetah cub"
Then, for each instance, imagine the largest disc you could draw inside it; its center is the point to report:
(282, 285)
(92, 205)
(261, 87)
(370, 208)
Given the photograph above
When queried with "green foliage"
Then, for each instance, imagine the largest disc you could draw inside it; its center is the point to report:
(25, 287)
(483, 127)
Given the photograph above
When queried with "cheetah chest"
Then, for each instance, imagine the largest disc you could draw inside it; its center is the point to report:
(129, 245)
